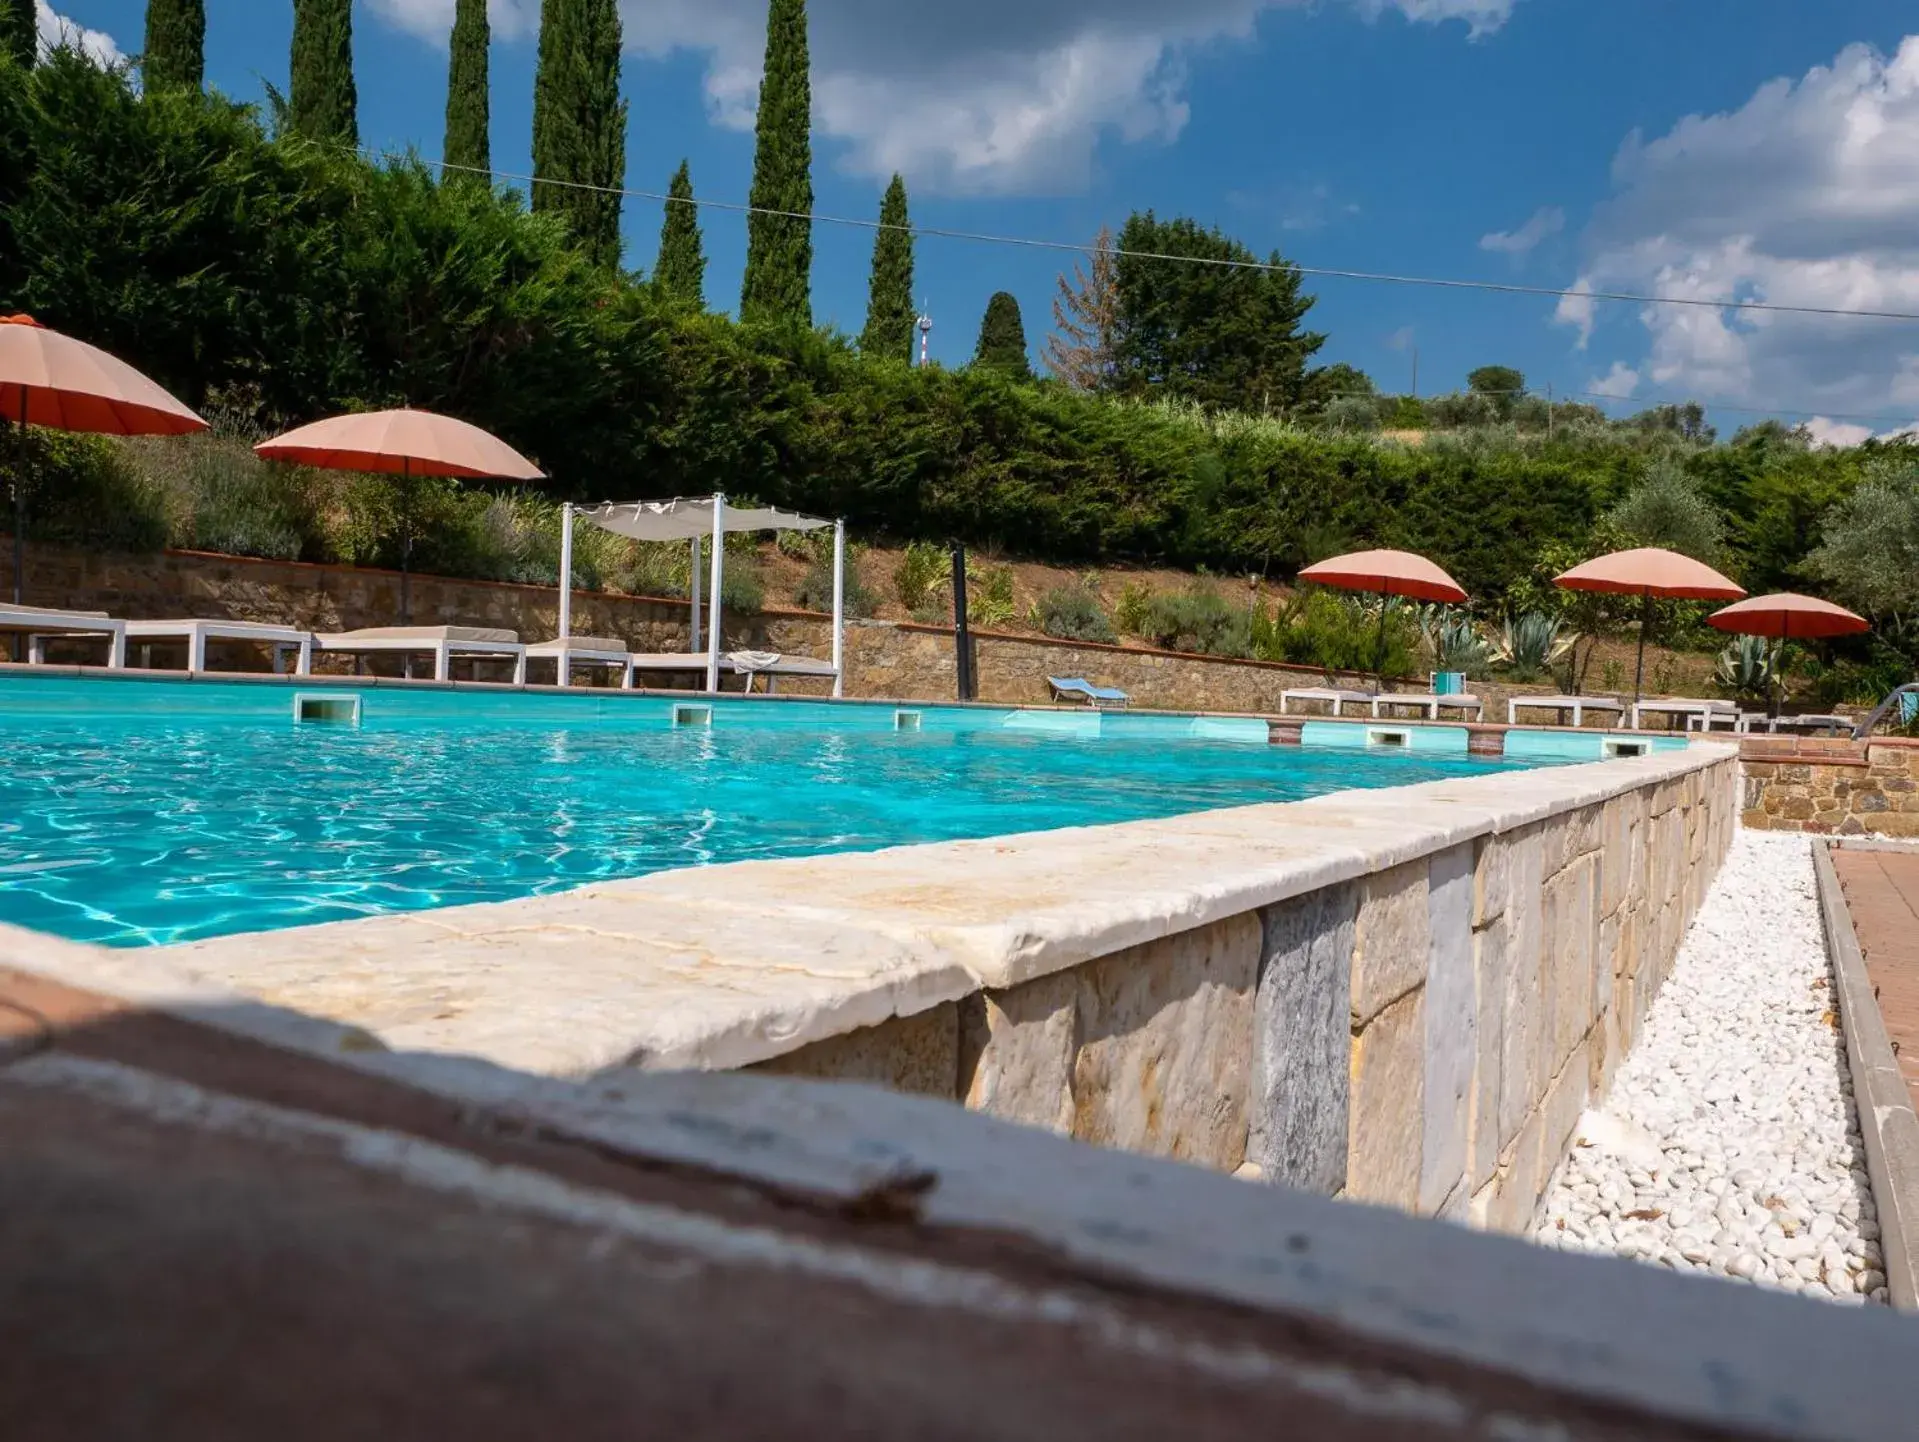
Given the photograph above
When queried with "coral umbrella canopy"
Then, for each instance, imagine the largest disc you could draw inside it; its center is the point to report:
(1387, 573)
(1651, 572)
(404, 442)
(1788, 617)
(52, 380)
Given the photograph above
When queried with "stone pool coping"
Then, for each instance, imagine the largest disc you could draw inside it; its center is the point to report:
(1630, 1350)
(1887, 1120)
(723, 967)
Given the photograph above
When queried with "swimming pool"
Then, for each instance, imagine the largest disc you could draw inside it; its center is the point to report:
(143, 812)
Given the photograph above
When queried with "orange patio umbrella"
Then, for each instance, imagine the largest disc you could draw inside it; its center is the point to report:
(1386, 573)
(52, 380)
(1646, 573)
(1784, 617)
(404, 443)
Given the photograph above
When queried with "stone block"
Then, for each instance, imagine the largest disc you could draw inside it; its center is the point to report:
(1303, 1041)
(1385, 1130)
(1526, 1016)
(1571, 933)
(1621, 826)
(1493, 876)
(1566, 1101)
(1166, 1045)
(1489, 980)
(1520, 1179)
(918, 1054)
(1452, 1030)
(1016, 1052)
(1391, 939)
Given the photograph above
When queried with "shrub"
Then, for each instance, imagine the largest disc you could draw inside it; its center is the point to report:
(920, 573)
(989, 596)
(1129, 616)
(1072, 613)
(816, 587)
(1331, 632)
(741, 590)
(81, 491)
(1453, 642)
(1198, 621)
(1745, 667)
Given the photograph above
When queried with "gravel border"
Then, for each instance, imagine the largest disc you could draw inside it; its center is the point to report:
(1730, 1144)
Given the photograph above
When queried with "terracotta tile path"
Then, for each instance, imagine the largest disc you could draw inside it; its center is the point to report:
(1882, 892)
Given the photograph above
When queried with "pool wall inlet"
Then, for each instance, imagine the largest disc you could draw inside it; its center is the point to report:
(1404, 996)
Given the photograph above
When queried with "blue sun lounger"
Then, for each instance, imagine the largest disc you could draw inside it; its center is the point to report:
(1077, 688)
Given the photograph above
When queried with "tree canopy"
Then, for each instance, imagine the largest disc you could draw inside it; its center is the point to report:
(323, 102)
(1210, 322)
(890, 312)
(778, 288)
(579, 123)
(1002, 338)
(20, 32)
(174, 56)
(469, 101)
(680, 271)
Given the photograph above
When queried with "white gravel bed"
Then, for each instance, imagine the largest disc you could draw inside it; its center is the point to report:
(1730, 1144)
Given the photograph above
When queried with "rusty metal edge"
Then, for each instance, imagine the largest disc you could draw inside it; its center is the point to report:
(1886, 1116)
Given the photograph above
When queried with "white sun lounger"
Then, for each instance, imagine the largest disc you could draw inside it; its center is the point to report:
(1078, 688)
(1577, 705)
(196, 632)
(773, 665)
(40, 624)
(442, 643)
(1698, 715)
(670, 662)
(570, 651)
(1329, 695)
(1430, 702)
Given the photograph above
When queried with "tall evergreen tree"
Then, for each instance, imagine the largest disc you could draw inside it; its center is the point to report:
(469, 103)
(889, 302)
(175, 57)
(1086, 311)
(579, 122)
(680, 272)
(1002, 338)
(779, 247)
(323, 104)
(20, 32)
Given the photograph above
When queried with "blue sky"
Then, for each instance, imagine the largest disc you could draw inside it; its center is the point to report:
(1766, 148)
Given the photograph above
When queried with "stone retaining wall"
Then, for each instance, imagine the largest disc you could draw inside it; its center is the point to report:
(883, 659)
(1831, 787)
(1425, 1036)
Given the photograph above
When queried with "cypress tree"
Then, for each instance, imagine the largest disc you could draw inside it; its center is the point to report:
(1002, 338)
(889, 299)
(779, 248)
(175, 57)
(469, 106)
(324, 105)
(579, 122)
(681, 271)
(20, 32)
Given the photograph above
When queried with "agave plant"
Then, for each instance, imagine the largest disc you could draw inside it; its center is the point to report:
(1746, 666)
(1529, 644)
(1453, 641)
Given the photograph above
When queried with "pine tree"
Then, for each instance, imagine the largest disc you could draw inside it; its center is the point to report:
(20, 32)
(1002, 338)
(680, 272)
(1086, 310)
(469, 104)
(324, 104)
(779, 247)
(889, 303)
(579, 122)
(175, 57)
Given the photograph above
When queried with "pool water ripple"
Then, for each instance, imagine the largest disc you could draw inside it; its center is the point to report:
(147, 832)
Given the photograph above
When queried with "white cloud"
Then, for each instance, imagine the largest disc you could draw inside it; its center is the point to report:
(56, 30)
(1540, 226)
(999, 96)
(1807, 195)
(1618, 383)
(1842, 435)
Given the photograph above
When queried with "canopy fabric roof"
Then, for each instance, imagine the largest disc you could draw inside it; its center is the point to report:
(1393, 573)
(1651, 571)
(685, 518)
(65, 384)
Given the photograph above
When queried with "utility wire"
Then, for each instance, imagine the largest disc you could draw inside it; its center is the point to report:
(1287, 267)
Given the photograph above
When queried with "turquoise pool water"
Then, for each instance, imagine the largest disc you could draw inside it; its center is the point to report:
(145, 812)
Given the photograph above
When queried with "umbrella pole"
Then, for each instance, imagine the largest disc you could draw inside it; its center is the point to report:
(1379, 650)
(1639, 672)
(20, 507)
(406, 541)
(1773, 697)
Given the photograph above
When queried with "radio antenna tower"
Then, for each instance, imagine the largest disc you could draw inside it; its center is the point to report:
(926, 332)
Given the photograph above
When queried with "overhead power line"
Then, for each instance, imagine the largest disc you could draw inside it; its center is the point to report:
(1319, 272)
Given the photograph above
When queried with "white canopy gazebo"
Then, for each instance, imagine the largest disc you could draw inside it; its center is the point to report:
(694, 520)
